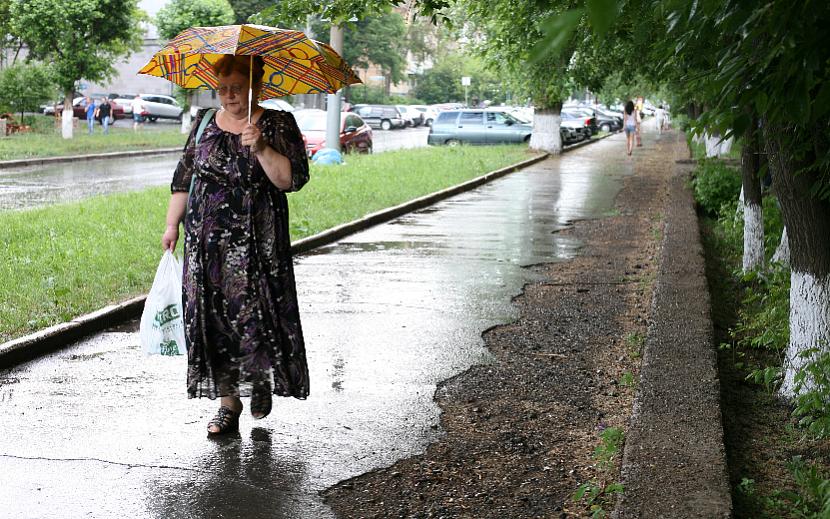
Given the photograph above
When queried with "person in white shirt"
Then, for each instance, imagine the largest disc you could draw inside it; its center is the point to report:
(138, 112)
(660, 115)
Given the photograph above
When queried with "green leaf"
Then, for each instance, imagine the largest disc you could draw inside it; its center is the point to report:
(601, 14)
(822, 102)
(761, 102)
(798, 104)
(741, 124)
(557, 30)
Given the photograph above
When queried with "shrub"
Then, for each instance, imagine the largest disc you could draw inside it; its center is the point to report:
(715, 184)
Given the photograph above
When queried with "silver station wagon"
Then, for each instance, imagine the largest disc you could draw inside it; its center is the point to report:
(478, 127)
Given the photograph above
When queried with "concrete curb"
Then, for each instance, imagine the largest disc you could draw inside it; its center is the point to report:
(674, 461)
(59, 336)
(45, 161)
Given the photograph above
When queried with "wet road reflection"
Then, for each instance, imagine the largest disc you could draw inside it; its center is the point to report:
(37, 186)
(101, 431)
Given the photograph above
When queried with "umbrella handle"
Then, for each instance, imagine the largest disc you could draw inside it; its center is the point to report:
(250, 87)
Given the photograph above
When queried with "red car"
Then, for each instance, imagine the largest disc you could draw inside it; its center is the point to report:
(355, 135)
(80, 102)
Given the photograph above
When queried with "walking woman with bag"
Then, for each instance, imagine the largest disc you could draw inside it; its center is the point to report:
(241, 316)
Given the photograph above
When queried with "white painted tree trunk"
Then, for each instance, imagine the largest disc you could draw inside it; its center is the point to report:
(545, 134)
(66, 118)
(753, 236)
(725, 147)
(712, 143)
(186, 122)
(740, 209)
(809, 324)
(782, 253)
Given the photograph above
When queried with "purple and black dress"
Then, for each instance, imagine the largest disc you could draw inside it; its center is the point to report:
(241, 316)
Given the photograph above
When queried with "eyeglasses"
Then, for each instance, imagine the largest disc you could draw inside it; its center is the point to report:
(234, 89)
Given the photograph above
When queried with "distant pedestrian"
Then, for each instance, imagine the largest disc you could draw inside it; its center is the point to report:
(138, 112)
(103, 112)
(660, 115)
(631, 124)
(90, 110)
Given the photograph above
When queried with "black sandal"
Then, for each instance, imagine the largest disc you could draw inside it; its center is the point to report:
(260, 404)
(225, 420)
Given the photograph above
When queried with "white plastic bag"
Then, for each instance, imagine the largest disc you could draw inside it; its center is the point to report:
(162, 326)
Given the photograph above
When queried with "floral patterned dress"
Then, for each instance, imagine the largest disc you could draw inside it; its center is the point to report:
(242, 321)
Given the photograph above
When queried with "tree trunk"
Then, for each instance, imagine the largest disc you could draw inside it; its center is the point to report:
(68, 115)
(808, 227)
(782, 253)
(186, 122)
(753, 207)
(712, 142)
(545, 135)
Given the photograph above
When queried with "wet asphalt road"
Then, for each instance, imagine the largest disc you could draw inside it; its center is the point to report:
(98, 430)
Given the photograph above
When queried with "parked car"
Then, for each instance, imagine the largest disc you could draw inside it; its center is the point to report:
(477, 126)
(159, 106)
(276, 104)
(78, 109)
(587, 114)
(429, 113)
(569, 134)
(355, 134)
(384, 117)
(415, 115)
(580, 129)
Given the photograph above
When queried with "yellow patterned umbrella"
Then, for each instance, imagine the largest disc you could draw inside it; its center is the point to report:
(292, 62)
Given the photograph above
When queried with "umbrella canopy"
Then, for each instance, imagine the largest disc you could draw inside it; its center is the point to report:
(292, 62)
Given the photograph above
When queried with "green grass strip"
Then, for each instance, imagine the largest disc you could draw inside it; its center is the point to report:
(45, 142)
(63, 261)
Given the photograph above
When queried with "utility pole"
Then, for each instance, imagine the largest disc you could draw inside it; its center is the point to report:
(333, 108)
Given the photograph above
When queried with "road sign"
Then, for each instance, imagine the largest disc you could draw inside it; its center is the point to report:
(465, 81)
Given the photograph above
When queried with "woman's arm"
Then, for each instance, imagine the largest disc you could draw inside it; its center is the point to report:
(175, 215)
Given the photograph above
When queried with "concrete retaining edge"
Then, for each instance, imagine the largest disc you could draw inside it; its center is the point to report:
(59, 336)
(674, 459)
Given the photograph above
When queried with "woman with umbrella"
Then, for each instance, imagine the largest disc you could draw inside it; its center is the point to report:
(241, 315)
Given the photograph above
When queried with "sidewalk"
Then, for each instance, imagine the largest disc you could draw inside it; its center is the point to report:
(521, 431)
(55, 337)
(518, 430)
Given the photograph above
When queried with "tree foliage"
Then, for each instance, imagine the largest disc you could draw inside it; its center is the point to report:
(293, 13)
(24, 86)
(81, 39)
(244, 9)
(375, 40)
(442, 82)
(179, 15)
(9, 39)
